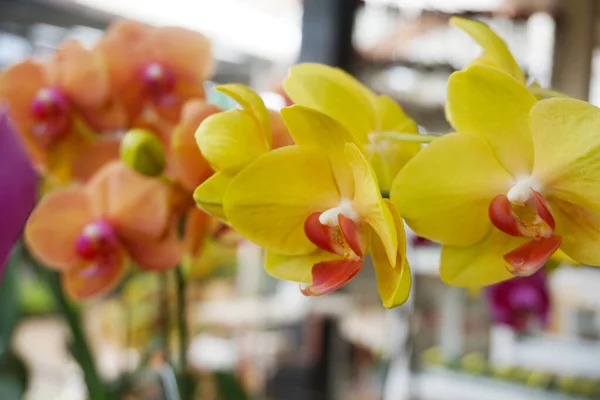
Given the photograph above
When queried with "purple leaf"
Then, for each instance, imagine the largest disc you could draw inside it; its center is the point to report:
(18, 188)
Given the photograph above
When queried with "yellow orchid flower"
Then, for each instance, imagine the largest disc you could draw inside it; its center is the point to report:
(317, 209)
(231, 139)
(516, 182)
(367, 116)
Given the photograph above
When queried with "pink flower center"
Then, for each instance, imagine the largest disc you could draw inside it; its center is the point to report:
(97, 240)
(159, 82)
(50, 108)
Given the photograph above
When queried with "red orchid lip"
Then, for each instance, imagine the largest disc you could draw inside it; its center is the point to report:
(329, 276)
(534, 220)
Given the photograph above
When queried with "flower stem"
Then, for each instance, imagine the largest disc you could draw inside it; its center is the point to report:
(407, 137)
(80, 347)
(182, 329)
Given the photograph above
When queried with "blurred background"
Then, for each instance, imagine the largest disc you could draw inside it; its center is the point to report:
(258, 337)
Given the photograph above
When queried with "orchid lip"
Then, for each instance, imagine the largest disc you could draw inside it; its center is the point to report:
(159, 80)
(97, 239)
(50, 108)
(344, 238)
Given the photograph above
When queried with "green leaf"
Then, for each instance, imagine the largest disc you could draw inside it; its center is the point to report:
(9, 300)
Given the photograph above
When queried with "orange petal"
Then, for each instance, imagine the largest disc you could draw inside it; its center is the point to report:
(94, 157)
(189, 166)
(185, 52)
(19, 85)
(528, 258)
(90, 279)
(281, 135)
(329, 276)
(182, 93)
(135, 204)
(155, 255)
(110, 116)
(55, 224)
(121, 50)
(197, 225)
(82, 74)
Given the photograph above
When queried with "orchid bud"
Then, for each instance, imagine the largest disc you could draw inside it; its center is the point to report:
(143, 152)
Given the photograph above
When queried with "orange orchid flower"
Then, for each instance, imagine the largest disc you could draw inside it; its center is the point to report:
(89, 232)
(155, 69)
(48, 105)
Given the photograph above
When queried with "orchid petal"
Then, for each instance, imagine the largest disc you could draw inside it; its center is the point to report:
(444, 192)
(493, 104)
(55, 224)
(269, 200)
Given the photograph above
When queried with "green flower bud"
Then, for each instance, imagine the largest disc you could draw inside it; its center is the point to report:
(143, 152)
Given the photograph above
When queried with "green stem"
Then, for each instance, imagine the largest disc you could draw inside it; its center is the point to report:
(81, 349)
(182, 328)
(165, 321)
(407, 137)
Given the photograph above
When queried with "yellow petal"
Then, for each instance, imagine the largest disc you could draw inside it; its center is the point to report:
(580, 229)
(380, 167)
(495, 50)
(567, 150)
(314, 129)
(495, 105)
(393, 283)
(296, 268)
(252, 103)
(391, 117)
(445, 191)
(368, 202)
(230, 139)
(209, 195)
(480, 264)
(269, 200)
(335, 93)
(394, 154)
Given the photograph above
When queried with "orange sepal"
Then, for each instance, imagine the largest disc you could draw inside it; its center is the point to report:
(185, 52)
(187, 163)
(19, 85)
(81, 74)
(197, 226)
(526, 259)
(155, 255)
(329, 276)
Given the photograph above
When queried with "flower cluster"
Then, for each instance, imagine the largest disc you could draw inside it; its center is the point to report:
(513, 185)
(110, 131)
